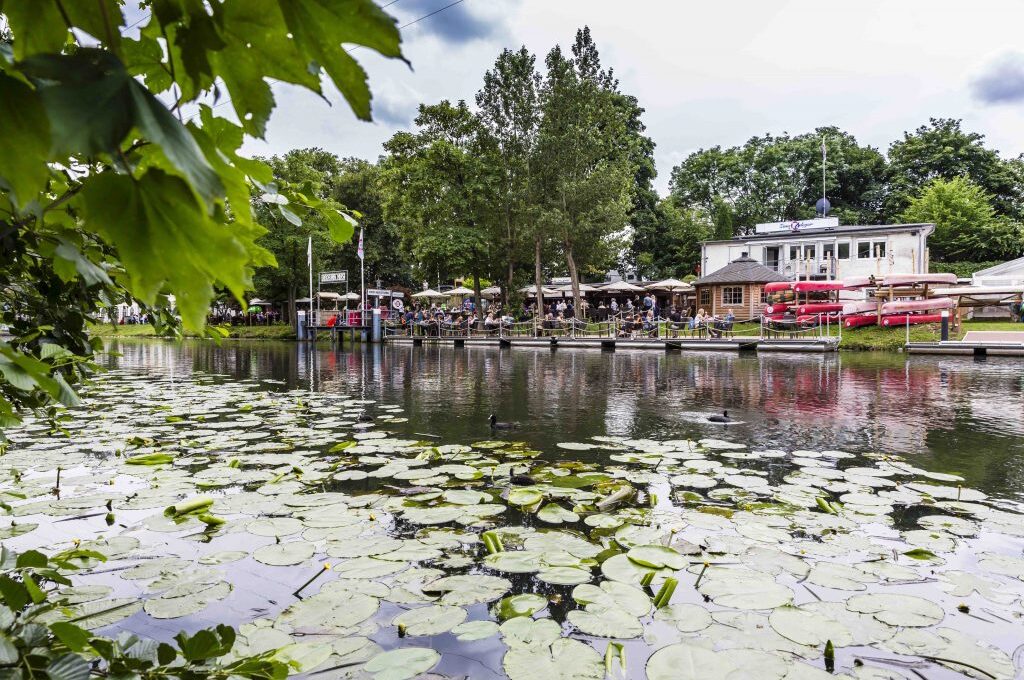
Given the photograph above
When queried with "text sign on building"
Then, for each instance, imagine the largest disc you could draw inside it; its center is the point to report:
(334, 277)
(378, 292)
(796, 225)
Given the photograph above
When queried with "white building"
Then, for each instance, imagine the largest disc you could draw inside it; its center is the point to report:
(1006, 274)
(822, 249)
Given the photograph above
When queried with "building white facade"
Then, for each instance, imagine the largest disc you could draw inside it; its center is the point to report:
(1006, 274)
(823, 250)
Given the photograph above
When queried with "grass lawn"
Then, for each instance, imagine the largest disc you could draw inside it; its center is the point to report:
(275, 332)
(877, 338)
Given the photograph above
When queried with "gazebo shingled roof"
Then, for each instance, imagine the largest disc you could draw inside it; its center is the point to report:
(743, 269)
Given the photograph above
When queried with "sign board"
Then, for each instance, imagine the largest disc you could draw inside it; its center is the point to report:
(796, 225)
(397, 294)
(378, 292)
(334, 277)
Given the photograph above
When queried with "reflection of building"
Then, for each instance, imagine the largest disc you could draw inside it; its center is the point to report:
(822, 249)
(738, 287)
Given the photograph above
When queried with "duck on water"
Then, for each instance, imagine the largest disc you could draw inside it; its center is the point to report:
(498, 425)
(724, 418)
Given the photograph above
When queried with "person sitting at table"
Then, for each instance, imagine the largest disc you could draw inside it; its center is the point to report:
(698, 320)
(490, 323)
(649, 325)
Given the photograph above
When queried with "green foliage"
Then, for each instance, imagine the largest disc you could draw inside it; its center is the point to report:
(107, 194)
(966, 224)
(963, 270)
(40, 636)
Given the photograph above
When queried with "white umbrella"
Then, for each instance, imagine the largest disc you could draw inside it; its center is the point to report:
(671, 285)
(428, 293)
(350, 296)
(303, 301)
(491, 291)
(461, 290)
(621, 287)
(532, 290)
(584, 288)
(260, 303)
(327, 295)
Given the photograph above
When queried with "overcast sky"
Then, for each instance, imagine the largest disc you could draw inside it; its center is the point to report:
(708, 72)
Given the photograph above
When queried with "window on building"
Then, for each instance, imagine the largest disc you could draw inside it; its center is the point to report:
(843, 250)
(732, 295)
(809, 253)
(705, 297)
(794, 253)
(764, 296)
(870, 249)
(828, 251)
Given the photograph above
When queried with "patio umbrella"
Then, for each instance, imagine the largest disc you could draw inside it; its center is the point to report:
(491, 291)
(584, 288)
(670, 285)
(428, 293)
(532, 290)
(350, 296)
(621, 287)
(457, 292)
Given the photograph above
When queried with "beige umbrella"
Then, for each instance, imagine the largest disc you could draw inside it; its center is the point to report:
(491, 291)
(670, 285)
(428, 293)
(532, 290)
(350, 296)
(460, 291)
(621, 287)
(584, 289)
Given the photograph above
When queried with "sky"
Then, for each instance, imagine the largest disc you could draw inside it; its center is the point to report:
(708, 73)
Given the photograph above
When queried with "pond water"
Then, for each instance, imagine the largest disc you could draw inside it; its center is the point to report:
(870, 500)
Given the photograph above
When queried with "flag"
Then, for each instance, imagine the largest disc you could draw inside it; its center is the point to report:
(309, 253)
(359, 251)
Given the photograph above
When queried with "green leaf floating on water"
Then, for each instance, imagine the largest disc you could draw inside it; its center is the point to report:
(613, 595)
(430, 620)
(468, 589)
(284, 554)
(657, 557)
(150, 459)
(552, 513)
(526, 604)
(402, 664)
(610, 622)
(524, 497)
(475, 630)
(565, 659)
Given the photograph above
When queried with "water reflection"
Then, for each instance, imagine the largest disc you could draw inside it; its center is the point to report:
(949, 414)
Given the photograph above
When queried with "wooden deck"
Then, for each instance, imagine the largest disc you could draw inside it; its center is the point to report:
(730, 344)
(976, 343)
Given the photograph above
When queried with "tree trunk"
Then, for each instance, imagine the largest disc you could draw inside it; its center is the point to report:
(538, 276)
(477, 299)
(574, 277)
(292, 316)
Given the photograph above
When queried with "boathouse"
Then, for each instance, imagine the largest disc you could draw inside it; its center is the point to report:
(822, 249)
(737, 287)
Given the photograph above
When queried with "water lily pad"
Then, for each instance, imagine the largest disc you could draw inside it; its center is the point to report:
(897, 610)
(523, 632)
(565, 576)
(469, 588)
(515, 561)
(552, 513)
(274, 526)
(367, 568)
(223, 557)
(431, 620)
(402, 664)
(524, 497)
(657, 557)
(609, 622)
(688, 618)
(565, 659)
(187, 603)
(475, 630)
(745, 590)
(284, 554)
(524, 604)
(100, 613)
(810, 628)
(613, 595)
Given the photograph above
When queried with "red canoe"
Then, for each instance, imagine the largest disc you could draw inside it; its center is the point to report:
(817, 286)
(811, 319)
(860, 307)
(860, 320)
(776, 286)
(820, 308)
(925, 305)
(912, 319)
(777, 308)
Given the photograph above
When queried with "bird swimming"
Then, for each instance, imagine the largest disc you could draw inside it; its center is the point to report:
(724, 418)
(364, 418)
(498, 425)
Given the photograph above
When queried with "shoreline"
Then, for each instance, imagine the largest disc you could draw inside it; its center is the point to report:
(866, 339)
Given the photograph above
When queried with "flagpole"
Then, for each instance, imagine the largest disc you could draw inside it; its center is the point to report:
(309, 259)
(362, 277)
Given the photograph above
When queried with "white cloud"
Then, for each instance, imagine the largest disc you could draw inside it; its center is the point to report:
(707, 73)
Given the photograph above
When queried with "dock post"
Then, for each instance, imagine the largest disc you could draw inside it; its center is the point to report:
(945, 326)
(376, 325)
(301, 314)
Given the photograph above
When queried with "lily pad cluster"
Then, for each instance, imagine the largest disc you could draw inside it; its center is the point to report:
(357, 548)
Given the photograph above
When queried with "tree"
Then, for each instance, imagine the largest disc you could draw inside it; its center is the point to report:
(584, 168)
(778, 178)
(436, 191)
(966, 224)
(509, 111)
(942, 149)
(105, 192)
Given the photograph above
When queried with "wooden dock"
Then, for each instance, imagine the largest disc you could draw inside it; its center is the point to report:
(976, 343)
(732, 344)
